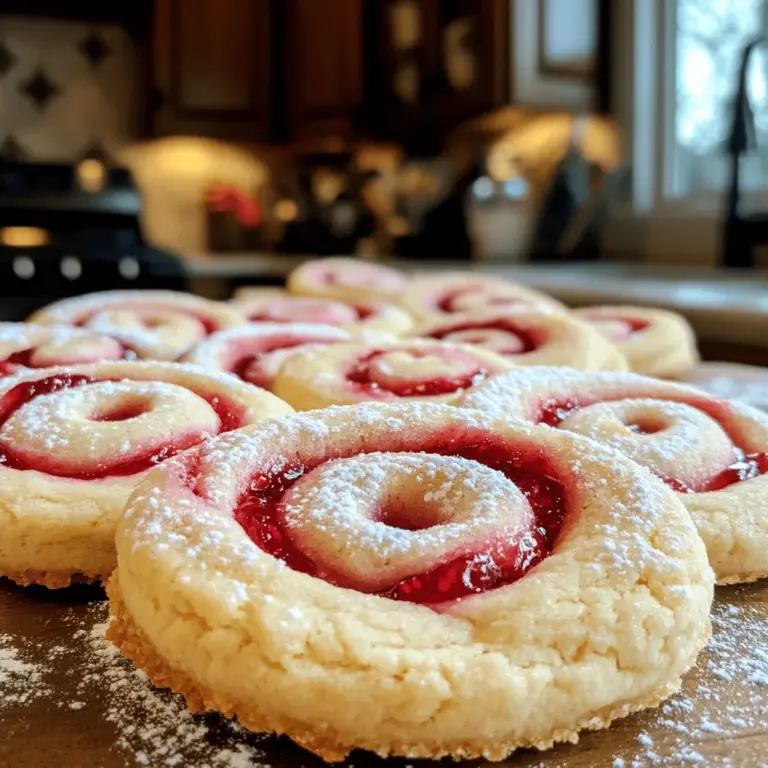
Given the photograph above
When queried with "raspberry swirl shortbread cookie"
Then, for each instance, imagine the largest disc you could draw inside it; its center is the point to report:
(358, 316)
(24, 346)
(460, 292)
(654, 341)
(714, 453)
(450, 584)
(75, 440)
(529, 337)
(347, 279)
(255, 352)
(159, 325)
(416, 369)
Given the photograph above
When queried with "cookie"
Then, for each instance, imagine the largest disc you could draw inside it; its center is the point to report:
(347, 279)
(460, 292)
(411, 369)
(24, 346)
(74, 442)
(411, 579)
(354, 316)
(655, 342)
(156, 325)
(713, 452)
(529, 337)
(255, 352)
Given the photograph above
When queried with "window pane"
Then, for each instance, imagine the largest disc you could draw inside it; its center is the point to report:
(711, 35)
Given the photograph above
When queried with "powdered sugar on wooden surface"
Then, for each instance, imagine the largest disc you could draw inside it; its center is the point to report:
(151, 727)
(719, 718)
(724, 700)
(21, 679)
(738, 655)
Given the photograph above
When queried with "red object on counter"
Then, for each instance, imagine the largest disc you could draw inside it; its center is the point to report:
(246, 209)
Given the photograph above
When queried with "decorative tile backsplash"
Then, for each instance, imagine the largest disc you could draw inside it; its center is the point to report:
(58, 87)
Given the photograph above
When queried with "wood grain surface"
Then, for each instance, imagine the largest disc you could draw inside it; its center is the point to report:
(719, 718)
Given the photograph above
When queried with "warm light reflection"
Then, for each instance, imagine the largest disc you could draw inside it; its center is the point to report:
(539, 144)
(286, 210)
(24, 237)
(91, 175)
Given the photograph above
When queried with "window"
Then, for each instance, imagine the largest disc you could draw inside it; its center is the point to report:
(709, 37)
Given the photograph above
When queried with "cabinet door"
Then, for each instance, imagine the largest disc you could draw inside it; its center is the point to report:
(440, 61)
(472, 57)
(212, 67)
(323, 66)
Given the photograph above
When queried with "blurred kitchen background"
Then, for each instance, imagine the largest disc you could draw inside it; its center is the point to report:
(163, 139)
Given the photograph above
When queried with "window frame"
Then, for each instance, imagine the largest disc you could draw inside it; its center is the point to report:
(643, 94)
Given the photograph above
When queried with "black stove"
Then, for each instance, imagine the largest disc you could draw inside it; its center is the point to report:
(67, 230)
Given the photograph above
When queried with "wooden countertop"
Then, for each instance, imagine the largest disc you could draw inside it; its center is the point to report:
(86, 709)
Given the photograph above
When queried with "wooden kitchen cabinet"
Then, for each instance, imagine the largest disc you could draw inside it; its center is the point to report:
(323, 66)
(301, 70)
(472, 57)
(439, 61)
(212, 63)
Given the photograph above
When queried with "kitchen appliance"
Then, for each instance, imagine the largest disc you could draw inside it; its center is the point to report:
(72, 229)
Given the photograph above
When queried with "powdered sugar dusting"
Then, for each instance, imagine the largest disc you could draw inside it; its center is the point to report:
(21, 679)
(725, 698)
(87, 676)
(722, 704)
(154, 724)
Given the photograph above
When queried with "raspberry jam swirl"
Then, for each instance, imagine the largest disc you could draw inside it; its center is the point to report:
(358, 315)
(453, 294)
(156, 324)
(691, 445)
(255, 353)
(116, 419)
(695, 443)
(474, 297)
(530, 337)
(24, 346)
(428, 515)
(297, 309)
(499, 334)
(324, 276)
(411, 370)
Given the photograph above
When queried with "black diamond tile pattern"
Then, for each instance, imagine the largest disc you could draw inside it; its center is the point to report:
(94, 49)
(11, 151)
(7, 60)
(40, 89)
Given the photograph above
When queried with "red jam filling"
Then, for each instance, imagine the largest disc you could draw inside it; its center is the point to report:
(21, 359)
(363, 313)
(241, 364)
(360, 375)
(635, 324)
(230, 417)
(493, 566)
(747, 465)
(631, 325)
(626, 326)
(529, 340)
(331, 278)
